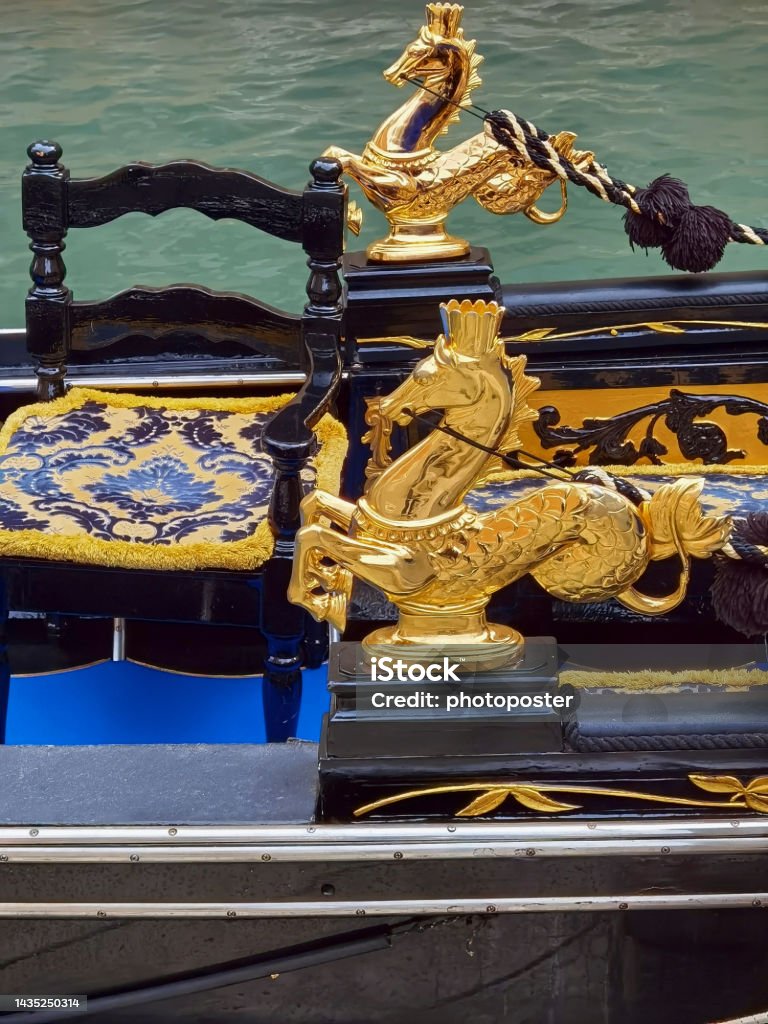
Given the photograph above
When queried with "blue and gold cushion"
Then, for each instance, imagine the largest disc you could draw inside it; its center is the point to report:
(134, 482)
(728, 490)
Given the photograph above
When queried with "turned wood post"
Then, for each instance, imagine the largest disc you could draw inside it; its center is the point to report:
(324, 203)
(290, 441)
(44, 204)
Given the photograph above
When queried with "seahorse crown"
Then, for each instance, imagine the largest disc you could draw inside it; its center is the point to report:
(472, 328)
(443, 22)
(444, 19)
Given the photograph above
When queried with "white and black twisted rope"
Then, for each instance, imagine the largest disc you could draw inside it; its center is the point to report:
(746, 551)
(662, 215)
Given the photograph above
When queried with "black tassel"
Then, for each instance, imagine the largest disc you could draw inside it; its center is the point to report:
(662, 202)
(740, 589)
(698, 240)
(644, 232)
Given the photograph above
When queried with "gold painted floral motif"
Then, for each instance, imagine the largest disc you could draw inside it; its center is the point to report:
(750, 796)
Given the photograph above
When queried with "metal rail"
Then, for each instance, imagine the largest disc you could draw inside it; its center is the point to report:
(428, 907)
(381, 842)
(143, 381)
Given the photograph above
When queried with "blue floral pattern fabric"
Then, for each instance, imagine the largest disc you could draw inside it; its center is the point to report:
(92, 469)
(725, 493)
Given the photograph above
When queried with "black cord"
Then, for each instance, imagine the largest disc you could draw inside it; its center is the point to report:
(511, 460)
(625, 487)
(709, 229)
(472, 109)
(237, 972)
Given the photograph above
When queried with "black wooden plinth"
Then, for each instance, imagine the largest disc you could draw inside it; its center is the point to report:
(364, 719)
(609, 751)
(390, 299)
(365, 725)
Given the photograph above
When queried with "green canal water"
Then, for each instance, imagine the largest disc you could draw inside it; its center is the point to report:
(649, 85)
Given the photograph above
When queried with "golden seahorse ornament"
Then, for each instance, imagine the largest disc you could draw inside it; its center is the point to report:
(439, 561)
(416, 185)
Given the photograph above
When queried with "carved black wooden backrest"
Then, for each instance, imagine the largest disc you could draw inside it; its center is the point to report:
(53, 203)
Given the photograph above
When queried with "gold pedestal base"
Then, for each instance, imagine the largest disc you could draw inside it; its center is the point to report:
(463, 637)
(407, 243)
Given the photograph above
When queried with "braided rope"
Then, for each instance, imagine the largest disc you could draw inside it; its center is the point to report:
(532, 144)
(578, 742)
(745, 551)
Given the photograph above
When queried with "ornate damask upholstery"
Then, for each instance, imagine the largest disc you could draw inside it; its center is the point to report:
(136, 482)
(728, 490)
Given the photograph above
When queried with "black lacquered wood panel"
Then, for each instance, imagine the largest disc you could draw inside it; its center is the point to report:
(157, 312)
(215, 191)
(222, 597)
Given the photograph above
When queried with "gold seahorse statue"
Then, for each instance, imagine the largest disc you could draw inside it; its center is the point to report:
(416, 185)
(439, 560)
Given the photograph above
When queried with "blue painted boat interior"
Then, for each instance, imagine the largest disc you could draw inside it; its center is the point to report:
(122, 702)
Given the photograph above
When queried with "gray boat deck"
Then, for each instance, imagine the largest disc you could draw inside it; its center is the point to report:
(145, 784)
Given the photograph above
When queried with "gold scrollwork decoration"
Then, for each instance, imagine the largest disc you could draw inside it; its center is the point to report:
(552, 334)
(749, 796)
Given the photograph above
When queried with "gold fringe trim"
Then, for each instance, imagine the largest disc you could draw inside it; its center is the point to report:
(649, 679)
(239, 555)
(75, 397)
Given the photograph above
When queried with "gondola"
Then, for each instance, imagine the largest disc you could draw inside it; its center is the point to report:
(604, 864)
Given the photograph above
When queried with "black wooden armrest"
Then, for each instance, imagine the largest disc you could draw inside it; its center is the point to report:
(290, 433)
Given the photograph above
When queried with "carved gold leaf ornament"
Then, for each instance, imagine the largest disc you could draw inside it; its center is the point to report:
(678, 524)
(525, 795)
(483, 804)
(754, 793)
(538, 335)
(536, 801)
(750, 796)
(665, 328)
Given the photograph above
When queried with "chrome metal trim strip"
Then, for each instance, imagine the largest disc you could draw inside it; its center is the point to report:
(400, 851)
(377, 908)
(199, 380)
(381, 841)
